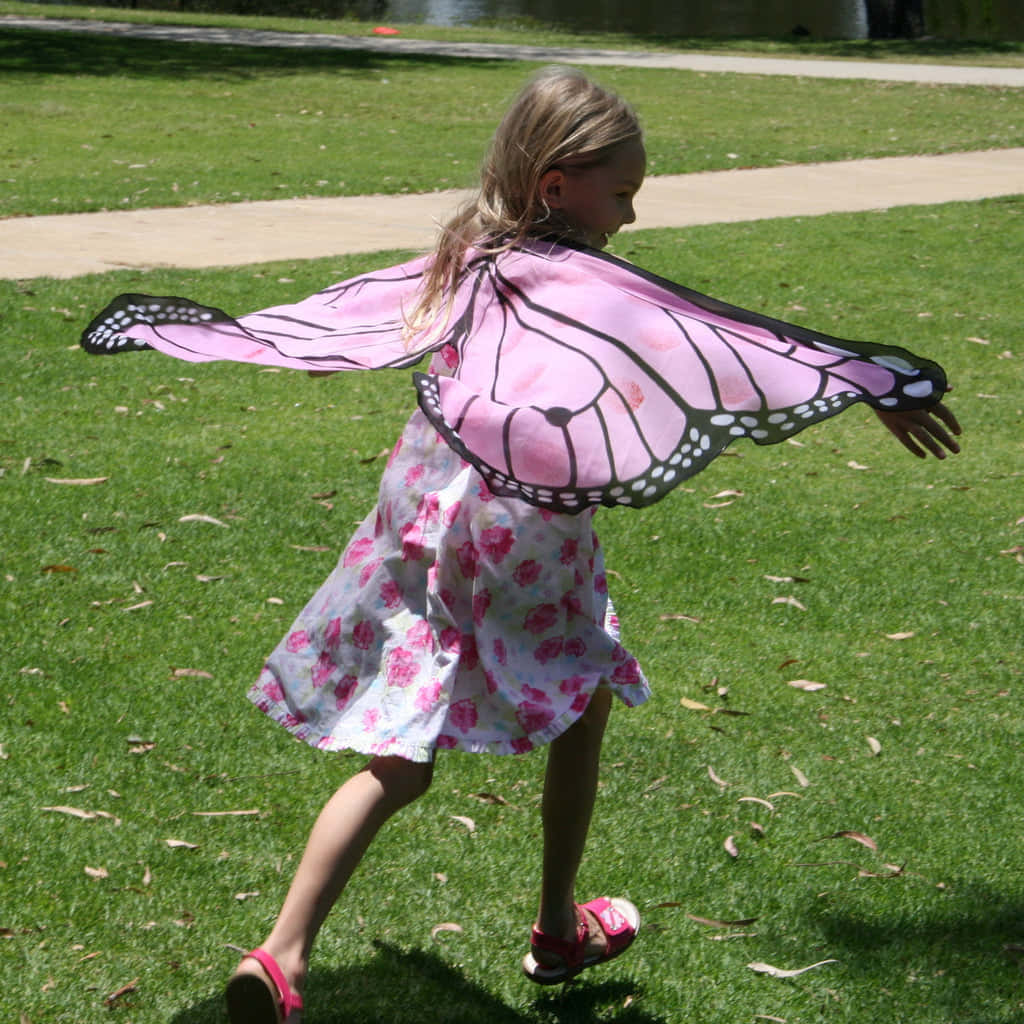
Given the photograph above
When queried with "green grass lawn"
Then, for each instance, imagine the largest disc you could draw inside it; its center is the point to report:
(99, 122)
(130, 637)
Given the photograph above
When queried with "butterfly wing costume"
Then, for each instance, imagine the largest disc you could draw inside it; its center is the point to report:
(470, 613)
(577, 379)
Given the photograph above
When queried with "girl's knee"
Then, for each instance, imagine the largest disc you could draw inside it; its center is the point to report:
(402, 781)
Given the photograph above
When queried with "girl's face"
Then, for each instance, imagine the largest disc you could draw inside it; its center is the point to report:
(596, 201)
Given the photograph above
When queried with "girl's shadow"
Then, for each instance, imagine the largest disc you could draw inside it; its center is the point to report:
(418, 987)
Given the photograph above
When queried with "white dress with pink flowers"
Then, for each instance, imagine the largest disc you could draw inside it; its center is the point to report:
(454, 620)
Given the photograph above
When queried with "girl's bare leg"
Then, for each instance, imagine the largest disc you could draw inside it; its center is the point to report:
(570, 787)
(340, 837)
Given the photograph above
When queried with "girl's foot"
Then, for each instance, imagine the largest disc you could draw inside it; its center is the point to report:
(606, 928)
(259, 993)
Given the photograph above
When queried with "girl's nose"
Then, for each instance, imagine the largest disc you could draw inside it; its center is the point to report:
(630, 215)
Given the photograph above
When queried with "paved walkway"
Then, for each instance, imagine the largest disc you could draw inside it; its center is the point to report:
(945, 74)
(236, 233)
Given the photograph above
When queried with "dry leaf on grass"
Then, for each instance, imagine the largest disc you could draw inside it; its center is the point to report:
(97, 872)
(715, 779)
(756, 800)
(180, 844)
(857, 837)
(714, 922)
(445, 926)
(469, 823)
(778, 972)
(876, 747)
(807, 685)
(198, 673)
(899, 636)
(89, 481)
(730, 846)
(799, 776)
(198, 517)
(791, 601)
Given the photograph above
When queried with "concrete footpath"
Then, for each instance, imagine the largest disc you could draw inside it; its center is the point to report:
(238, 233)
(941, 74)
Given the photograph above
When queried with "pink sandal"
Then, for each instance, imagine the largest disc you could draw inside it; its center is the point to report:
(617, 918)
(252, 1001)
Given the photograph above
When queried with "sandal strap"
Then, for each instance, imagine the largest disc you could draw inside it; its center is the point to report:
(289, 1000)
(618, 931)
(571, 951)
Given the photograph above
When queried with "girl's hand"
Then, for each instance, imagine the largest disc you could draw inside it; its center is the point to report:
(923, 430)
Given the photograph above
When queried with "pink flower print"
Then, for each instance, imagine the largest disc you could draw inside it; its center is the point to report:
(481, 602)
(447, 598)
(446, 742)
(570, 549)
(395, 451)
(343, 690)
(274, 691)
(533, 717)
(571, 685)
(426, 696)
(533, 694)
(575, 648)
(527, 572)
(363, 635)
(322, 669)
(402, 668)
(412, 542)
(390, 594)
(296, 641)
(332, 634)
(357, 551)
(521, 745)
(413, 474)
(613, 622)
(418, 636)
(483, 492)
(627, 674)
(463, 715)
(600, 584)
(370, 718)
(571, 603)
(490, 682)
(451, 640)
(546, 514)
(540, 619)
(579, 704)
(468, 558)
(451, 514)
(549, 649)
(500, 653)
(450, 355)
(619, 653)
(427, 511)
(496, 542)
(469, 656)
(367, 571)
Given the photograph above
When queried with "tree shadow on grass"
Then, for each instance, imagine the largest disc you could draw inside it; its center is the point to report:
(419, 987)
(967, 949)
(31, 51)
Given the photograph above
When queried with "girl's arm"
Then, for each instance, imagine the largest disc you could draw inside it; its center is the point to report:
(923, 430)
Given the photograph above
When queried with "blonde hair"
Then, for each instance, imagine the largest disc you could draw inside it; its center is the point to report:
(560, 118)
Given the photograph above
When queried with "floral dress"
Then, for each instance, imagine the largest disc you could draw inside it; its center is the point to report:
(454, 620)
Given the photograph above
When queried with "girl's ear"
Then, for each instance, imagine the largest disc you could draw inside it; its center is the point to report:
(551, 188)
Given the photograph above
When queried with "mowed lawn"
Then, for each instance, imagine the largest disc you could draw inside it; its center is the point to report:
(163, 522)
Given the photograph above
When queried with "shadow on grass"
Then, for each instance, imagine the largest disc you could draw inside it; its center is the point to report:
(419, 987)
(968, 951)
(31, 51)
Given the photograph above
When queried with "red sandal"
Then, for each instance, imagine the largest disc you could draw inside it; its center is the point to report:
(617, 918)
(252, 1001)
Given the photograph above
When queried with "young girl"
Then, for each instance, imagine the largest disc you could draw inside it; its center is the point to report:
(470, 610)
